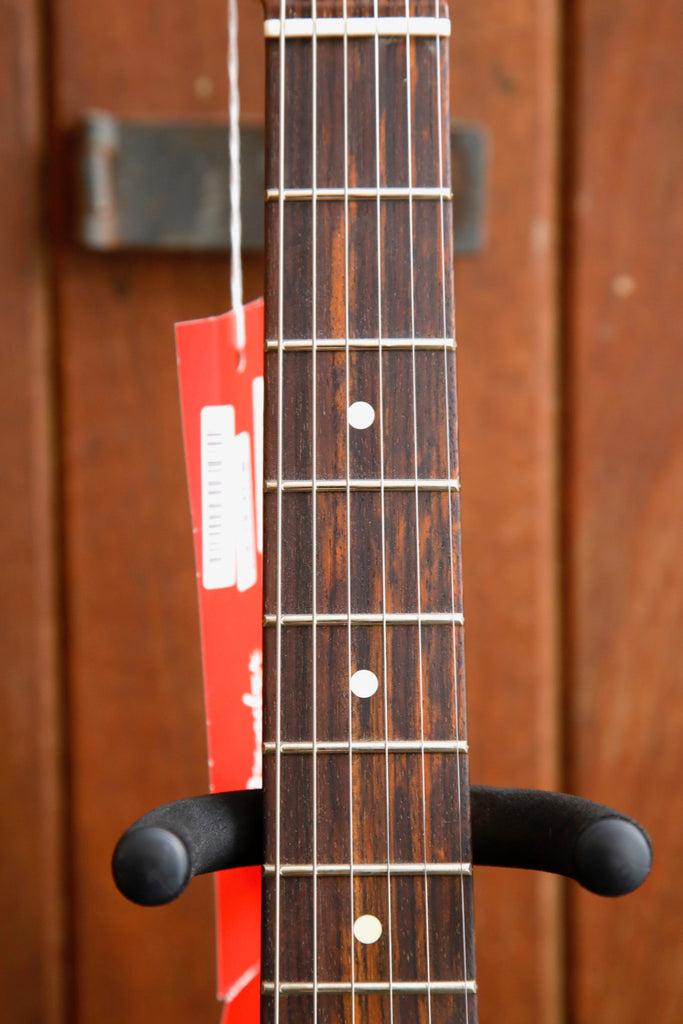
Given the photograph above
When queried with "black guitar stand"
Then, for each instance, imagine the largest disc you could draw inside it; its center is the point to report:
(606, 852)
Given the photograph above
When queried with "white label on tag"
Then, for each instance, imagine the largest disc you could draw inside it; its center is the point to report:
(245, 534)
(217, 429)
(257, 406)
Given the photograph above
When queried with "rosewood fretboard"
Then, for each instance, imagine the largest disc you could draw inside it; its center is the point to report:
(367, 880)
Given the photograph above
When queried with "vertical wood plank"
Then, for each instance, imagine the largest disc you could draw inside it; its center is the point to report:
(625, 419)
(504, 74)
(123, 466)
(136, 712)
(32, 898)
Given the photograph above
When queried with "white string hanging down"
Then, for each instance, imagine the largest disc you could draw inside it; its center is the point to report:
(235, 184)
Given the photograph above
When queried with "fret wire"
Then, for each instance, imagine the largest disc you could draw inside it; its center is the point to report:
(366, 747)
(367, 870)
(290, 988)
(365, 618)
(417, 503)
(314, 491)
(450, 500)
(390, 941)
(305, 28)
(348, 494)
(278, 710)
(393, 484)
(306, 344)
(382, 192)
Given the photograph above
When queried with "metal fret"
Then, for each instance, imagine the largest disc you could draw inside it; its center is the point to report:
(306, 28)
(384, 192)
(343, 870)
(340, 344)
(291, 988)
(366, 618)
(367, 747)
(363, 485)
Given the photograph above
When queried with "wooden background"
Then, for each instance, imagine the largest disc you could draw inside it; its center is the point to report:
(572, 464)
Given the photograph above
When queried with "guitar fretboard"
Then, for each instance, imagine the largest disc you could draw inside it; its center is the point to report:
(367, 880)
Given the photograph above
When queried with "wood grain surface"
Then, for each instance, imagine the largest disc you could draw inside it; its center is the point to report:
(379, 269)
(504, 74)
(111, 537)
(136, 715)
(34, 971)
(625, 491)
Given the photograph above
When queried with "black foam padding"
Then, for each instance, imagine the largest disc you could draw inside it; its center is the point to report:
(151, 866)
(605, 851)
(159, 854)
(612, 857)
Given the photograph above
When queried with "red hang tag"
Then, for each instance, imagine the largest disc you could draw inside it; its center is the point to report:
(222, 409)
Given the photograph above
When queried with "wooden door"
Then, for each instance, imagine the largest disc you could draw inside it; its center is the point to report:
(569, 361)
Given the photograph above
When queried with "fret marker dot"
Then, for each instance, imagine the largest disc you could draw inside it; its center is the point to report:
(367, 929)
(361, 415)
(364, 683)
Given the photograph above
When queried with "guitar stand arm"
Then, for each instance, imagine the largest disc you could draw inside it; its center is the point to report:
(606, 852)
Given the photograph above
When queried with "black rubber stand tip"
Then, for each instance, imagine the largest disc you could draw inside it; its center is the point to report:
(151, 866)
(612, 857)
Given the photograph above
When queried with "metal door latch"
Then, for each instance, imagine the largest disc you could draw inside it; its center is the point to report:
(164, 185)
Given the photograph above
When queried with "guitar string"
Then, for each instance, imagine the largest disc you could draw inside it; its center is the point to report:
(453, 568)
(348, 501)
(314, 493)
(280, 332)
(409, 147)
(385, 674)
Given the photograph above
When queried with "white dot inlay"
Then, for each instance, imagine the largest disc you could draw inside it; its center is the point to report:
(367, 929)
(364, 683)
(361, 415)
